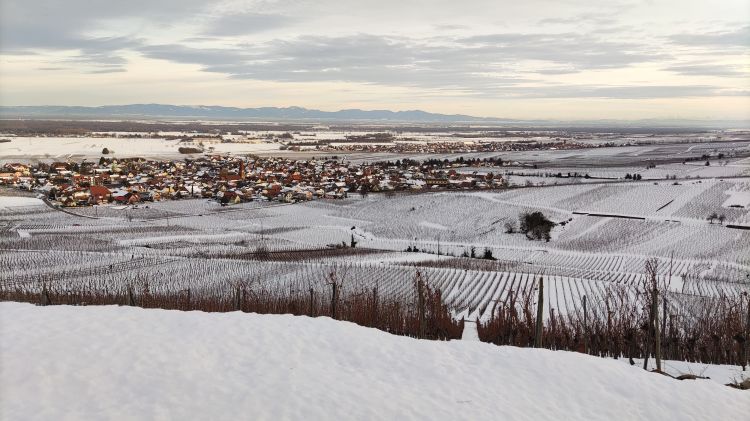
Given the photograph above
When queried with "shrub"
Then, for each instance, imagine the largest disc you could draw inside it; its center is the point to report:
(701, 329)
(422, 314)
(536, 226)
(488, 254)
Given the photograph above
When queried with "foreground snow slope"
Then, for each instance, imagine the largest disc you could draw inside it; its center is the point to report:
(127, 363)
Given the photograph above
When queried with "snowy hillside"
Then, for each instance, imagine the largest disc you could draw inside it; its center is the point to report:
(124, 363)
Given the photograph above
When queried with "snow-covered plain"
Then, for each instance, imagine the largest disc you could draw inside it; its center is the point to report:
(74, 363)
(54, 148)
(13, 202)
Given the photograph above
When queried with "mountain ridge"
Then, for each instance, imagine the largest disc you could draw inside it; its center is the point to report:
(222, 112)
(296, 113)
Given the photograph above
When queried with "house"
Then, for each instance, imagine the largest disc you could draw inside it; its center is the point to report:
(430, 182)
(228, 196)
(60, 167)
(19, 168)
(121, 195)
(99, 194)
(8, 177)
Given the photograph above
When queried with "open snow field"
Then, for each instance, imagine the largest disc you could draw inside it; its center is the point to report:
(596, 161)
(26, 149)
(622, 156)
(74, 363)
(14, 202)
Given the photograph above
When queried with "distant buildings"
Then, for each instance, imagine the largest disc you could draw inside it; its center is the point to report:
(230, 180)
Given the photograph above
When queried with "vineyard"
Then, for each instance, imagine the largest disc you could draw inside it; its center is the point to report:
(416, 265)
(702, 319)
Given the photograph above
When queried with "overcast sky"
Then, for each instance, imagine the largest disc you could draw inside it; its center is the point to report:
(561, 59)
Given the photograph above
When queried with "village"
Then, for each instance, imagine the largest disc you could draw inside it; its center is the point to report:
(232, 179)
(464, 146)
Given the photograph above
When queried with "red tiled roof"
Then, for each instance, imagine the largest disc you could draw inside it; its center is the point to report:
(99, 191)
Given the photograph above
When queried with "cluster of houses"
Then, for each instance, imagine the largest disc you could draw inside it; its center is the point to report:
(229, 179)
(454, 147)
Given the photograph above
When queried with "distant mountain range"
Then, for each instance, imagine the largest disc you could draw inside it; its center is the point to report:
(145, 111)
(299, 114)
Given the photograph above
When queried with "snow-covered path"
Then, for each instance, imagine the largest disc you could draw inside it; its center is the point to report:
(77, 363)
(470, 331)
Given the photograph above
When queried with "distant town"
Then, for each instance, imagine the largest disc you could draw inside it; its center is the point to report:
(231, 179)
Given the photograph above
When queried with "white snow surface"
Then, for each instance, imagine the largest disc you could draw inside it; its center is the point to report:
(8, 202)
(741, 198)
(53, 148)
(74, 363)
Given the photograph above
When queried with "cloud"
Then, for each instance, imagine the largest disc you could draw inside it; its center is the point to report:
(584, 18)
(51, 25)
(463, 57)
(718, 70)
(179, 53)
(482, 65)
(18, 53)
(553, 71)
(579, 51)
(451, 27)
(622, 92)
(361, 58)
(245, 23)
(469, 64)
(112, 70)
(739, 37)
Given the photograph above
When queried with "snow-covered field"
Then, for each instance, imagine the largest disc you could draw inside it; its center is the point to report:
(598, 162)
(597, 174)
(14, 202)
(56, 148)
(74, 363)
(199, 245)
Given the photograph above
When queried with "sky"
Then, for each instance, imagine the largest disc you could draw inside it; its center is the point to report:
(532, 59)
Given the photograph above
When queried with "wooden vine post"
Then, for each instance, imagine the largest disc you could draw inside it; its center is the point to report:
(311, 302)
(131, 297)
(657, 334)
(334, 297)
(420, 304)
(238, 298)
(585, 327)
(539, 321)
